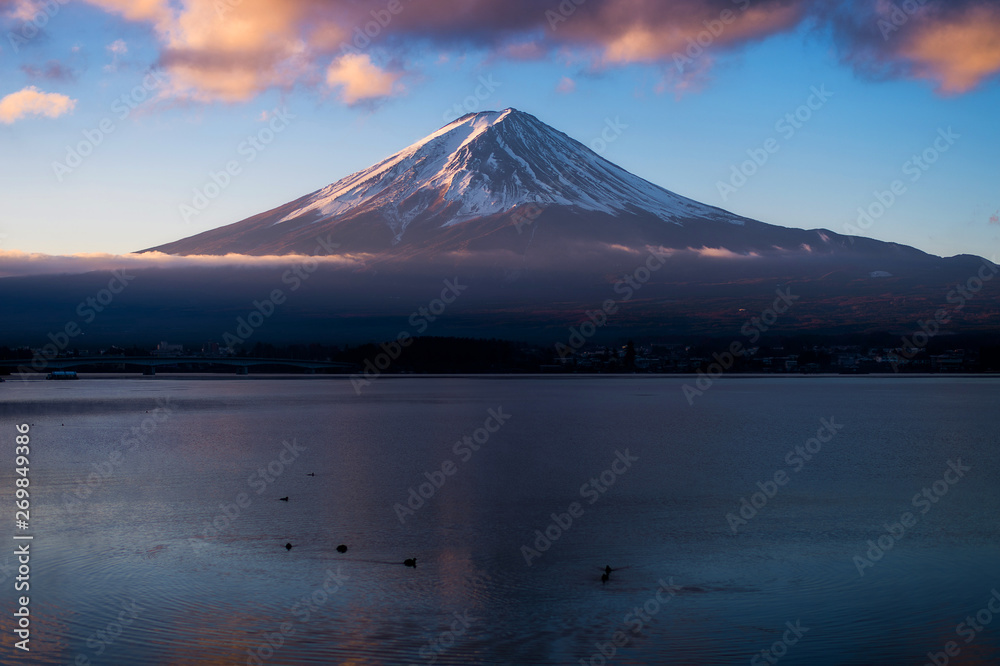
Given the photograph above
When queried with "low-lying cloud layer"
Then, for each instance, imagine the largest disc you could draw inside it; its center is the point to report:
(17, 263)
(232, 50)
(14, 263)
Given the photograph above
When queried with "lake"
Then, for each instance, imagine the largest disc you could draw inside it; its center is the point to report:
(800, 520)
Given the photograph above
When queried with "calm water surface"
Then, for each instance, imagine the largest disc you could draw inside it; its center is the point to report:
(175, 553)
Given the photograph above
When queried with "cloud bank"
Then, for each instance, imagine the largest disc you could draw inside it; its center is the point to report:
(17, 263)
(232, 50)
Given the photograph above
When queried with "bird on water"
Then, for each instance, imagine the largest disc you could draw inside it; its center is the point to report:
(288, 546)
(341, 548)
(410, 562)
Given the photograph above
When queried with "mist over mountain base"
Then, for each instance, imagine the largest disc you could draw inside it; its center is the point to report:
(626, 293)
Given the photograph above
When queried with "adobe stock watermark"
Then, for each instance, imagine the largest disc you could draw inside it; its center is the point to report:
(563, 11)
(752, 329)
(898, 16)
(635, 620)
(957, 299)
(223, 7)
(101, 640)
(248, 149)
(611, 132)
(121, 109)
(791, 636)
(87, 311)
(474, 102)
(302, 611)
(596, 319)
(362, 36)
(7, 571)
(915, 167)
(786, 126)
(968, 629)
(592, 491)
(30, 29)
(259, 481)
(464, 449)
(367, 32)
(796, 460)
(130, 441)
(419, 321)
(262, 310)
(714, 28)
(526, 215)
(924, 500)
(447, 639)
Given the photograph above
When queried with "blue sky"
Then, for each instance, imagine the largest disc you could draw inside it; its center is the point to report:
(329, 113)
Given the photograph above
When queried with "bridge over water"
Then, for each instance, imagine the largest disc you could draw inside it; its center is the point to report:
(148, 364)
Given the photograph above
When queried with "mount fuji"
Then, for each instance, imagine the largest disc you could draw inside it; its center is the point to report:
(542, 229)
(538, 230)
(505, 181)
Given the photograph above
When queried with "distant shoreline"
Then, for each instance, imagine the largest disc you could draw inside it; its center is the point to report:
(205, 376)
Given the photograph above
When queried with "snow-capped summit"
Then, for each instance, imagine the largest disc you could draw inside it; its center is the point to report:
(480, 182)
(465, 186)
(490, 163)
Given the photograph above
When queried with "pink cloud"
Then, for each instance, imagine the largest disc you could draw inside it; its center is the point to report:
(156, 11)
(15, 262)
(958, 53)
(953, 45)
(31, 101)
(226, 50)
(52, 70)
(23, 10)
(566, 85)
(631, 31)
(359, 80)
(721, 253)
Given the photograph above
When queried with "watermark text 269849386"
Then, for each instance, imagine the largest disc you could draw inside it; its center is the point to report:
(22, 515)
(22, 500)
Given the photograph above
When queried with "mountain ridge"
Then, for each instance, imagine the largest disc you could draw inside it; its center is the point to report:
(503, 189)
(490, 164)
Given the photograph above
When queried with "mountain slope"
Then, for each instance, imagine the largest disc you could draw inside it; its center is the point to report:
(504, 193)
(506, 168)
(474, 167)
